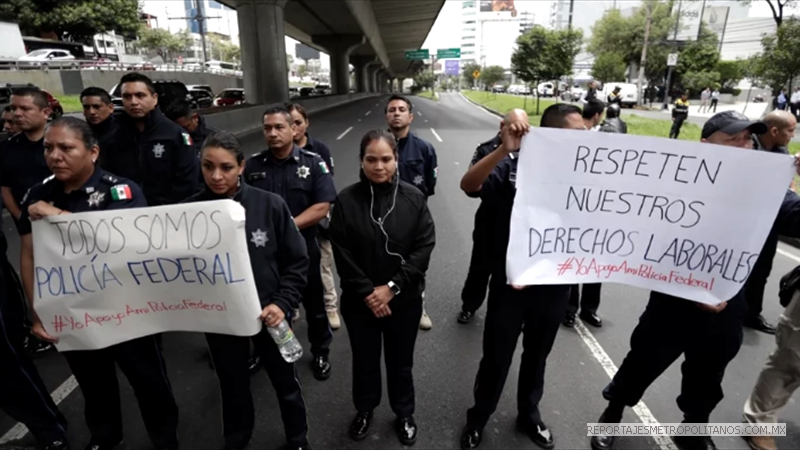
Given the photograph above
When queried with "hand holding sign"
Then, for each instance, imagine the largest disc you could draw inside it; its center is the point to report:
(41, 210)
(37, 329)
(511, 135)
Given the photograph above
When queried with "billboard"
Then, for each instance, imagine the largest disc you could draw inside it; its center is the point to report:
(498, 6)
(692, 13)
(305, 52)
(451, 67)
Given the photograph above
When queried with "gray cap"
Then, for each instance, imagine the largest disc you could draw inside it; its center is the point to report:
(731, 122)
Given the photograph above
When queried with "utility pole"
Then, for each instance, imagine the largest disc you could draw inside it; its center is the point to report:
(649, 9)
(201, 26)
(669, 73)
(571, 9)
(702, 15)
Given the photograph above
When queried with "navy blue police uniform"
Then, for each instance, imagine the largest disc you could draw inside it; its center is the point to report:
(160, 158)
(139, 359)
(301, 180)
(417, 163)
(199, 136)
(708, 341)
(535, 311)
(279, 260)
(22, 165)
(480, 268)
(104, 132)
(321, 149)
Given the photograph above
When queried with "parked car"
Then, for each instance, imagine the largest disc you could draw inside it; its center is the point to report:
(167, 90)
(204, 87)
(322, 89)
(307, 92)
(294, 92)
(202, 98)
(232, 96)
(498, 88)
(7, 89)
(42, 56)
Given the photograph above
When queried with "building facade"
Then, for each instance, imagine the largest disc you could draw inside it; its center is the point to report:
(489, 30)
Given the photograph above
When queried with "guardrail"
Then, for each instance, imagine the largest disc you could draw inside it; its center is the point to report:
(80, 64)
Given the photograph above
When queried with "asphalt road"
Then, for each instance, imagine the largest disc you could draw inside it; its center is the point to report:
(447, 356)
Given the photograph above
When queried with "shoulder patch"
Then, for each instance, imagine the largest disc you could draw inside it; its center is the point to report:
(110, 179)
(121, 192)
(187, 140)
(324, 167)
(308, 153)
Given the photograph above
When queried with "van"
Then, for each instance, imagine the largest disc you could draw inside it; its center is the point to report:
(629, 93)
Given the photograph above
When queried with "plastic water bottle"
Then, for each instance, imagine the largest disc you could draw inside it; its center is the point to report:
(289, 346)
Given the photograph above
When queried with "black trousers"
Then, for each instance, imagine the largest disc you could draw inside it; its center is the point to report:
(676, 127)
(477, 282)
(757, 281)
(708, 341)
(536, 312)
(399, 335)
(230, 355)
(23, 395)
(143, 365)
(587, 295)
(714, 102)
(320, 334)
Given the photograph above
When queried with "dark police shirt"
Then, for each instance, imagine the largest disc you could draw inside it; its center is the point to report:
(22, 164)
(160, 159)
(94, 195)
(301, 180)
(485, 216)
(321, 149)
(200, 134)
(104, 132)
(277, 250)
(417, 163)
(499, 189)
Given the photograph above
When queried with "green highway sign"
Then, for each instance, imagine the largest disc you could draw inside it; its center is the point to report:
(448, 53)
(417, 54)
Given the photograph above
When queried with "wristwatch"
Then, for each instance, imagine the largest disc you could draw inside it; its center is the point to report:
(394, 288)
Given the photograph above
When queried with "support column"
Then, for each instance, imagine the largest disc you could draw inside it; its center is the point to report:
(400, 82)
(376, 80)
(371, 72)
(262, 39)
(339, 47)
(360, 70)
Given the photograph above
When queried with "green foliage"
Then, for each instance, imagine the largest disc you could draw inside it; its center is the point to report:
(225, 50)
(609, 67)
(545, 55)
(701, 55)
(424, 79)
(466, 73)
(697, 81)
(779, 62)
(163, 42)
(77, 20)
(491, 75)
(730, 73)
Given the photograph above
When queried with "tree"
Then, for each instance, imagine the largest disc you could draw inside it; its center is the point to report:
(779, 62)
(302, 70)
(491, 75)
(225, 50)
(76, 20)
(777, 7)
(697, 81)
(730, 73)
(164, 42)
(424, 79)
(467, 72)
(609, 67)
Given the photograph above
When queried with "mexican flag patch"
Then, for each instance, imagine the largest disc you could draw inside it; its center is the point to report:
(186, 139)
(121, 192)
(324, 167)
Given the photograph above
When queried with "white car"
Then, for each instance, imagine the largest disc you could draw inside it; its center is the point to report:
(44, 55)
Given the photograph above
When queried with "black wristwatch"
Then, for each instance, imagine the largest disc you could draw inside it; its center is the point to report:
(394, 288)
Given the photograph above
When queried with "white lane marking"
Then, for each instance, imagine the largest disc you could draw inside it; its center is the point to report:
(476, 106)
(419, 113)
(19, 430)
(426, 120)
(359, 120)
(641, 410)
(791, 256)
(436, 134)
(368, 113)
(345, 132)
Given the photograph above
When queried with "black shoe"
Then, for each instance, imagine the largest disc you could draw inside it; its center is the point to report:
(569, 320)
(57, 445)
(592, 319)
(254, 364)
(360, 425)
(694, 443)
(92, 446)
(470, 438)
(406, 430)
(465, 316)
(759, 323)
(321, 367)
(604, 442)
(538, 433)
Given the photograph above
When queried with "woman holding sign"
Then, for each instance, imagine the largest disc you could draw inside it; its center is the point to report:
(77, 185)
(383, 235)
(279, 260)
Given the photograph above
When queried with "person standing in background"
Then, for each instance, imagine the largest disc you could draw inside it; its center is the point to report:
(590, 93)
(8, 122)
(98, 110)
(593, 114)
(714, 100)
(680, 112)
(705, 96)
(794, 102)
(781, 102)
(180, 112)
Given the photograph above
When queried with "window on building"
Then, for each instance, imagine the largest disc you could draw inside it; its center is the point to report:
(468, 45)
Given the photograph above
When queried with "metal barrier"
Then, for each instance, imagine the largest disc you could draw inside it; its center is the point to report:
(79, 64)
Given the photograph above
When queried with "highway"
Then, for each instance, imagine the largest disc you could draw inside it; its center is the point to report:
(447, 357)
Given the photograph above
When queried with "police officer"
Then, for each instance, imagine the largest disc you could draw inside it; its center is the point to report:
(613, 123)
(9, 127)
(614, 98)
(98, 110)
(304, 181)
(534, 311)
(417, 160)
(149, 149)
(180, 112)
(781, 126)
(593, 114)
(279, 260)
(79, 186)
(709, 336)
(480, 267)
(680, 112)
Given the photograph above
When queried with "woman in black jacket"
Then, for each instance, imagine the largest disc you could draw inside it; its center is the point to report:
(383, 235)
(279, 261)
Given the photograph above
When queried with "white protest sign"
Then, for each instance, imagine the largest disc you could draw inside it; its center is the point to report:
(684, 218)
(106, 277)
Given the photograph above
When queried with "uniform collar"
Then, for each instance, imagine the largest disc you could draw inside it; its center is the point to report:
(238, 196)
(88, 187)
(104, 126)
(294, 155)
(310, 142)
(150, 120)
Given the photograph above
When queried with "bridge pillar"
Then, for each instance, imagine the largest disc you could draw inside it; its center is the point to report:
(372, 76)
(360, 69)
(261, 33)
(379, 88)
(400, 82)
(339, 47)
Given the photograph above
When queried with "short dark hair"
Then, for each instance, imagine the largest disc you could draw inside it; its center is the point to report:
(398, 97)
(377, 135)
(96, 92)
(38, 96)
(593, 107)
(555, 116)
(78, 126)
(135, 77)
(178, 108)
(7, 109)
(224, 140)
(297, 107)
(278, 109)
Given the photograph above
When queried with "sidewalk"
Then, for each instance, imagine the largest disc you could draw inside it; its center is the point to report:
(753, 111)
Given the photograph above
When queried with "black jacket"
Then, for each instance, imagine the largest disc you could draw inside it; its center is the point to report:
(360, 247)
(277, 250)
(200, 134)
(614, 125)
(160, 159)
(104, 132)
(417, 163)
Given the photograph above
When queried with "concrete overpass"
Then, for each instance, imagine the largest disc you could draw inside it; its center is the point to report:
(372, 35)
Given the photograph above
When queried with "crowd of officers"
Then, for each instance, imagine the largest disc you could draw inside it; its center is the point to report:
(381, 235)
